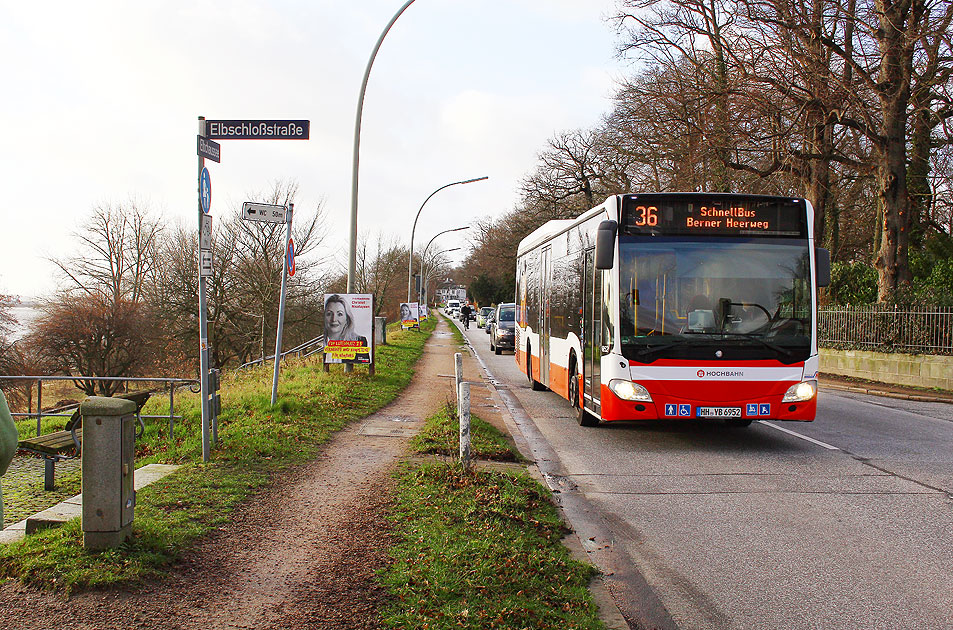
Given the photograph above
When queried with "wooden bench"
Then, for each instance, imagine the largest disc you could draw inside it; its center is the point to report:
(68, 443)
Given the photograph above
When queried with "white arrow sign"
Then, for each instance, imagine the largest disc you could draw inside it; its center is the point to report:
(264, 212)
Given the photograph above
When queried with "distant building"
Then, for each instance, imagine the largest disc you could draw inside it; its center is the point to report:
(449, 290)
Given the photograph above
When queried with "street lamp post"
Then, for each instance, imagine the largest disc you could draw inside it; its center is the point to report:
(410, 261)
(352, 254)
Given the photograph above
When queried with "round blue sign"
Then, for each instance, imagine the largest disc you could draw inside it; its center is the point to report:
(205, 191)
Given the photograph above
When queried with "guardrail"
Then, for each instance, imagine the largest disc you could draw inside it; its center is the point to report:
(306, 349)
(880, 327)
(167, 383)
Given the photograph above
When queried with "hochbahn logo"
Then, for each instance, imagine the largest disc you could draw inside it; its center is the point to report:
(720, 373)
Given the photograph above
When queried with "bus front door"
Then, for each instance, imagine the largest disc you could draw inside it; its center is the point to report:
(592, 334)
(546, 262)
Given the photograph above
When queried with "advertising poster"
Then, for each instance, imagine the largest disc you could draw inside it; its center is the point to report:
(423, 312)
(409, 315)
(348, 328)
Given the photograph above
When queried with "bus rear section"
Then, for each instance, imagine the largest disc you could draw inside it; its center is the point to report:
(668, 306)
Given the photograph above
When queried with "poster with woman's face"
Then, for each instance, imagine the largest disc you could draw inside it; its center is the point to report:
(409, 315)
(348, 328)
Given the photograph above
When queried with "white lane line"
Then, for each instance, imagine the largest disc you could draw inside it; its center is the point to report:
(803, 437)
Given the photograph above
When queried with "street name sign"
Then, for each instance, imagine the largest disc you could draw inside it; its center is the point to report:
(208, 149)
(258, 129)
(263, 212)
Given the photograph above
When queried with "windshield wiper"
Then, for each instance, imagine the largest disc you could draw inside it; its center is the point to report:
(767, 344)
(651, 351)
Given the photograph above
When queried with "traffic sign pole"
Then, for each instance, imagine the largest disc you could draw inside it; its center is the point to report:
(281, 304)
(203, 321)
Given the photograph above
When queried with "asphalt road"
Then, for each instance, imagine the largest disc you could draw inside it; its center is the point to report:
(845, 522)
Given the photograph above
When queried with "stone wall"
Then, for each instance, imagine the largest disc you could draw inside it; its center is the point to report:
(920, 370)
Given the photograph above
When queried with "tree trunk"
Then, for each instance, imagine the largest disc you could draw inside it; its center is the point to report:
(893, 269)
(892, 263)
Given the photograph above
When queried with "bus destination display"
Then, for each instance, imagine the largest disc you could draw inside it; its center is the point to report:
(721, 215)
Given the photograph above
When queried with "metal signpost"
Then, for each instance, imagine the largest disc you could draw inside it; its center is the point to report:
(205, 271)
(210, 130)
(286, 264)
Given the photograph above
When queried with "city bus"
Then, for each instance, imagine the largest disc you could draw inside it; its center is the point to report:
(675, 305)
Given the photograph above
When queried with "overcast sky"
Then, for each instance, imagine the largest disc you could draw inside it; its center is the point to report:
(101, 99)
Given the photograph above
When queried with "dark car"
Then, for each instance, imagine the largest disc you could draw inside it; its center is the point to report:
(503, 328)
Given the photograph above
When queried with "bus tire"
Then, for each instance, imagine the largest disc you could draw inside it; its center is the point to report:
(535, 385)
(583, 417)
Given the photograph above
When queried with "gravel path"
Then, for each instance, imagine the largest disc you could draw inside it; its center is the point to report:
(302, 554)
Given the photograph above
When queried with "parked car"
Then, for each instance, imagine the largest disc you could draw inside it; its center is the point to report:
(489, 320)
(482, 315)
(503, 328)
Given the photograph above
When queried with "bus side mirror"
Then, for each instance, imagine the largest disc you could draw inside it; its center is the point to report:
(605, 244)
(822, 262)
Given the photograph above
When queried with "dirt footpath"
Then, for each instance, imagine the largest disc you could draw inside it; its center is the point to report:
(301, 554)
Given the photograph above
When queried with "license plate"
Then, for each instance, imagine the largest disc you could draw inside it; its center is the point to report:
(719, 412)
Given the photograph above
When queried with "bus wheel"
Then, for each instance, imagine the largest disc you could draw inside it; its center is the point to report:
(738, 422)
(583, 417)
(533, 383)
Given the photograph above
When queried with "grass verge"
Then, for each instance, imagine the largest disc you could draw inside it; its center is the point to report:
(480, 549)
(457, 333)
(256, 442)
(441, 436)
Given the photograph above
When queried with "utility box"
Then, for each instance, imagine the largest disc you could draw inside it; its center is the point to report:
(109, 446)
(380, 331)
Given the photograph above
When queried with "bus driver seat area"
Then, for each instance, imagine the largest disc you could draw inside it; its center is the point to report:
(701, 316)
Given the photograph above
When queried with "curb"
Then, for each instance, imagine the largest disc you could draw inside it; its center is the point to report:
(885, 393)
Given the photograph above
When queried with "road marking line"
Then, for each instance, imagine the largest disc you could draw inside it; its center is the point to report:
(803, 437)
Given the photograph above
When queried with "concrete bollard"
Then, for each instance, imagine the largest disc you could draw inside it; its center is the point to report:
(464, 396)
(8, 444)
(109, 445)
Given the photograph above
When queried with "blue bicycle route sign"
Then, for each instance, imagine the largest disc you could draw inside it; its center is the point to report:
(205, 191)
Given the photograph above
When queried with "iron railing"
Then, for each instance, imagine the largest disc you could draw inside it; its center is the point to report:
(885, 328)
(171, 384)
(305, 349)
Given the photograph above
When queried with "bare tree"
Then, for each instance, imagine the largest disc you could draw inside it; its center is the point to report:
(243, 292)
(116, 254)
(91, 335)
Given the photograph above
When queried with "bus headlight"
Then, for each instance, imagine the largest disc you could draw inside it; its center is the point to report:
(805, 390)
(627, 390)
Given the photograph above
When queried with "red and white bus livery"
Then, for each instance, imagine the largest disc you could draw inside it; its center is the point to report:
(675, 305)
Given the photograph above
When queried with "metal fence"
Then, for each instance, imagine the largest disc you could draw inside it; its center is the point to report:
(170, 384)
(306, 349)
(884, 328)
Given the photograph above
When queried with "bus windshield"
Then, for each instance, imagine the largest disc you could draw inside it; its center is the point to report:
(690, 298)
